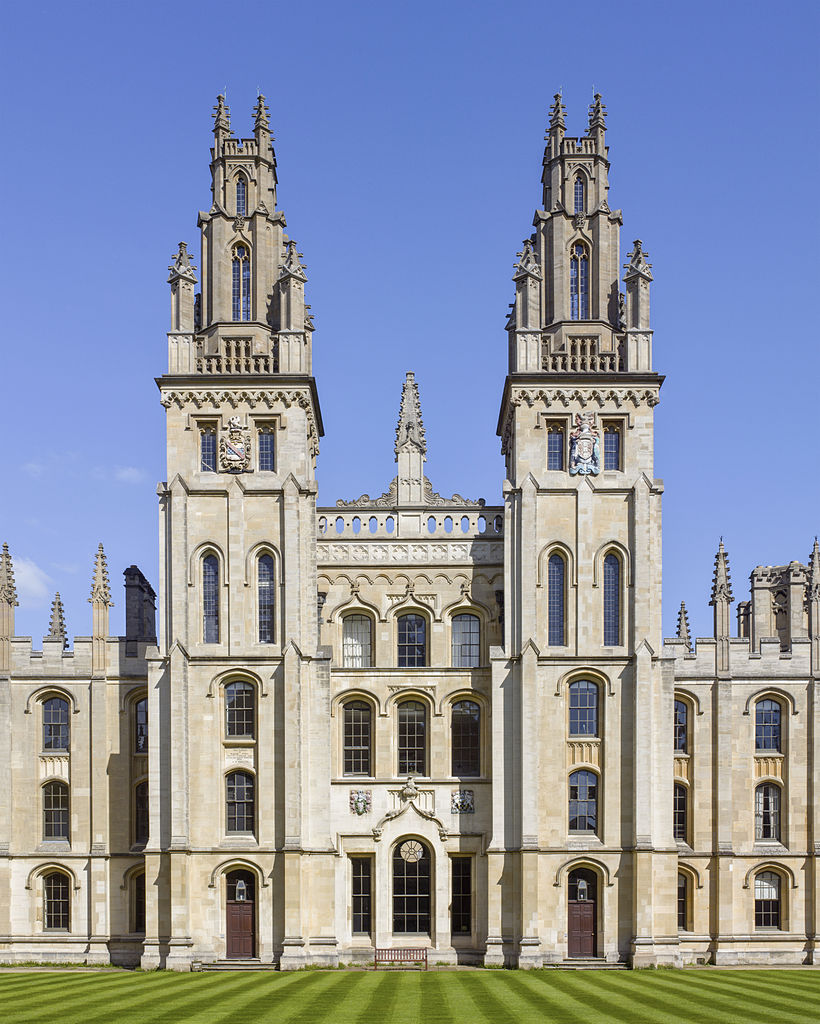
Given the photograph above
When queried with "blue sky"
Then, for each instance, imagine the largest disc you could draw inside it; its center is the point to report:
(409, 140)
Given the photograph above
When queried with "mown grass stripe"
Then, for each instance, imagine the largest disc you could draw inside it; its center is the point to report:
(73, 1001)
(382, 1000)
(468, 993)
(624, 995)
(727, 987)
(167, 992)
(555, 993)
(506, 1010)
(435, 994)
(750, 982)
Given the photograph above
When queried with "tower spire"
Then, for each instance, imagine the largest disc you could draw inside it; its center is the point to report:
(100, 601)
(411, 447)
(722, 598)
(814, 572)
(261, 122)
(721, 579)
(683, 627)
(597, 122)
(8, 590)
(56, 626)
(100, 587)
(813, 602)
(8, 602)
(557, 116)
(222, 116)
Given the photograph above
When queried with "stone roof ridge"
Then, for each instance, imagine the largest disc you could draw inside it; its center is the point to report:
(683, 632)
(100, 586)
(721, 580)
(56, 626)
(410, 429)
(8, 589)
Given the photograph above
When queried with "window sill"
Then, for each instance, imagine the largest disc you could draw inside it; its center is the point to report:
(239, 741)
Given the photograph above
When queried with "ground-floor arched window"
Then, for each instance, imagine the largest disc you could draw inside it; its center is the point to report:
(411, 888)
(767, 900)
(56, 901)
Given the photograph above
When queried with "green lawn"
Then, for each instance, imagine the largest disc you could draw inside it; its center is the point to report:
(405, 997)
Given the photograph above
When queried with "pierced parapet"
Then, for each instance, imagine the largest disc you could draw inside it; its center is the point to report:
(721, 580)
(8, 589)
(410, 429)
(56, 626)
(100, 586)
(683, 627)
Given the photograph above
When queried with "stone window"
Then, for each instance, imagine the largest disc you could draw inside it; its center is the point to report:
(466, 739)
(461, 914)
(683, 902)
(583, 801)
(580, 195)
(583, 708)
(767, 811)
(55, 811)
(210, 599)
(357, 737)
(241, 283)
(612, 600)
(466, 641)
(240, 802)
(767, 900)
(767, 725)
(361, 895)
(555, 446)
(266, 598)
(138, 903)
(141, 814)
(556, 600)
(412, 652)
(141, 726)
(681, 727)
(679, 813)
(241, 197)
(357, 641)
(55, 724)
(56, 901)
(412, 738)
(207, 449)
(240, 710)
(612, 446)
(411, 888)
(579, 282)
(267, 449)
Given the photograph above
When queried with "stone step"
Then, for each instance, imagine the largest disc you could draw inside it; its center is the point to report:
(591, 964)
(235, 965)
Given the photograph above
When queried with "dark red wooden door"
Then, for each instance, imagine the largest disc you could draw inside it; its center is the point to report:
(240, 929)
(581, 928)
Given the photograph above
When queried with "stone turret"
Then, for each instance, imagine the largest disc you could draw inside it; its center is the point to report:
(411, 446)
(56, 626)
(100, 601)
(8, 602)
(683, 627)
(721, 601)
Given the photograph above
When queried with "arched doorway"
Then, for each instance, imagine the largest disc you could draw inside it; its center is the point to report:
(240, 915)
(582, 913)
(411, 888)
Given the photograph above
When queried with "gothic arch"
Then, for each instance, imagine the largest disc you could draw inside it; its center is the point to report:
(235, 675)
(237, 864)
(771, 692)
(687, 695)
(355, 693)
(783, 870)
(594, 674)
(463, 693)
(615, 547)
(692, 872)
(132, 696)
(557, 547)
(46, 868)
(583, 862)
(263, 547)
(44, 692)
(207, 547)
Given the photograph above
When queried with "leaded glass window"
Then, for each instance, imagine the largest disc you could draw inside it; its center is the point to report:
(583, 802)
(266, 590)
(240, 710)
(412, 641)
(767, 725)
(466, 739)
(461, 917)
(556, 576)
(767, 811)
(411, 888)
(241, 283)
(141, 726)
(466, 641)
(767, 900)
(681, 727)
(241, 815)
(56, 897)
(55, 724)
(612, 601)
(141, 814)
(55, 811)
(267, 440)
(679, 824)
(357, 738)
(555, 446)
(138, 920)
(361, 895)
(579, 283)
(241, 197)
(356, 641)
(210, 599)
(412, 738)
(207, 445)
(580, 195)
(612, 446)
(683, 902)
(583, 708)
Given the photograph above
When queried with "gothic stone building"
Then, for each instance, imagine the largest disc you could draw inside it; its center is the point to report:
(412, 720)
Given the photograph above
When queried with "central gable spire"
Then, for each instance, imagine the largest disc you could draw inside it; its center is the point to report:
(411, 446)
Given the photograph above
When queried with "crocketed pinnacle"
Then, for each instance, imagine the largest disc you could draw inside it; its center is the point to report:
(410, 430)
(181, 265)
(222, 116)
(100, 588)
(814, 573)
(8, 590)
(637, 262)
(56, 627)
(527, 262)
(292, 263)
(721, 581)
(683, 626)
(597, 114)
(260, 115)
(557, 112)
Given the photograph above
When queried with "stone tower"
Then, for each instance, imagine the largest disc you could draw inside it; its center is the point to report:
(237, 585)
(578, 684)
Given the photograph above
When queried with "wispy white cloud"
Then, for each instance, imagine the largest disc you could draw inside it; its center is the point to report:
(65, 567)
(34, 469)
(33, 583)
(129, 475)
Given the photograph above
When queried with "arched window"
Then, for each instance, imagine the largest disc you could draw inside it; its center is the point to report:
(240, 710)
(210, 599)
(141, 726)
(56, 901)
(580, 195)
(767, 725)
(240, 802)
(241, 283)
(465, 730)
(357, 641)
(411, 888)
(556, 578)
(412, 641)
(241, 197)
(583, 802)
(357, 738)
(681, 727)
(138, 904)
(55, 811)
(412, 738)
(612, 600)
(583, 708)
(683, 902)
(466, 641)
(55, 724)
(141, 814)
(266, 593)
(579, 282)
(679, 822)
(767, 811)
(767, 900)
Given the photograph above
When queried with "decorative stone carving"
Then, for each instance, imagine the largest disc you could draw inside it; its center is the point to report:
(584, 446)
(235, 449)
(54, 766)
(239, 223)
(361, 801)
(478, 550)
(389, 499)
(462, 802)
(579, 221)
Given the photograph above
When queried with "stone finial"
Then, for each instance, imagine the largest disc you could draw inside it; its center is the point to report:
(410, 431)
(292, 265)
(222, 116)
(683, 627)
(721, 581)
(597, 115)
(181, 266)
(814, 573)
(557, 112)
(56, 626)
(637, 262)
(261, 123)
(8, 590)
(100, 587)
(527, 262)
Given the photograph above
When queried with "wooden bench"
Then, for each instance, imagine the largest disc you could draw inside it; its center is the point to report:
(400, 956)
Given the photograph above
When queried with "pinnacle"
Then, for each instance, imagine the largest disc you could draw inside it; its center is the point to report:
(100, 588)
(683, 626)
(222, 115)
(8, 590)
(527, 260)
(260, 115)
(181, 265)
(597, 114)
(410, 430)
(814, 572)
(56, 627)
(292, 262)
(557, 112)
(637, 261)
(721, 581)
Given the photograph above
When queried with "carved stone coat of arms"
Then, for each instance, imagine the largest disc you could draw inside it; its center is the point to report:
(235, 448)
(584, 446)
(360, 801)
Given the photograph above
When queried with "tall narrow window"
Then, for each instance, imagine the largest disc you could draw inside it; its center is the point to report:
(683, 902)
(466, 739)
(412, 738)
(138, 905)
(767, 811)
(55, 724)
(55, 811)
(56, 896)
(411, 888)
(357, 740)
(412, 641)
(141, 814)
(241, 283)
(555, 446)
(241, 808)
(579, 283)
(767, 900)
(612, 446)
(767, 725)
(266, 593)
(583, 708)
(679, 823)
(361, 895)
(266, 450)
(612, 601)
(466, 641)
(210, 599)
(241, 197)
(580, 195)
(207, 447)
(356, 641)
(681, 727)
(461, 919)
(556, 577)
(240, 710)
(583, 802)
(141, 726)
